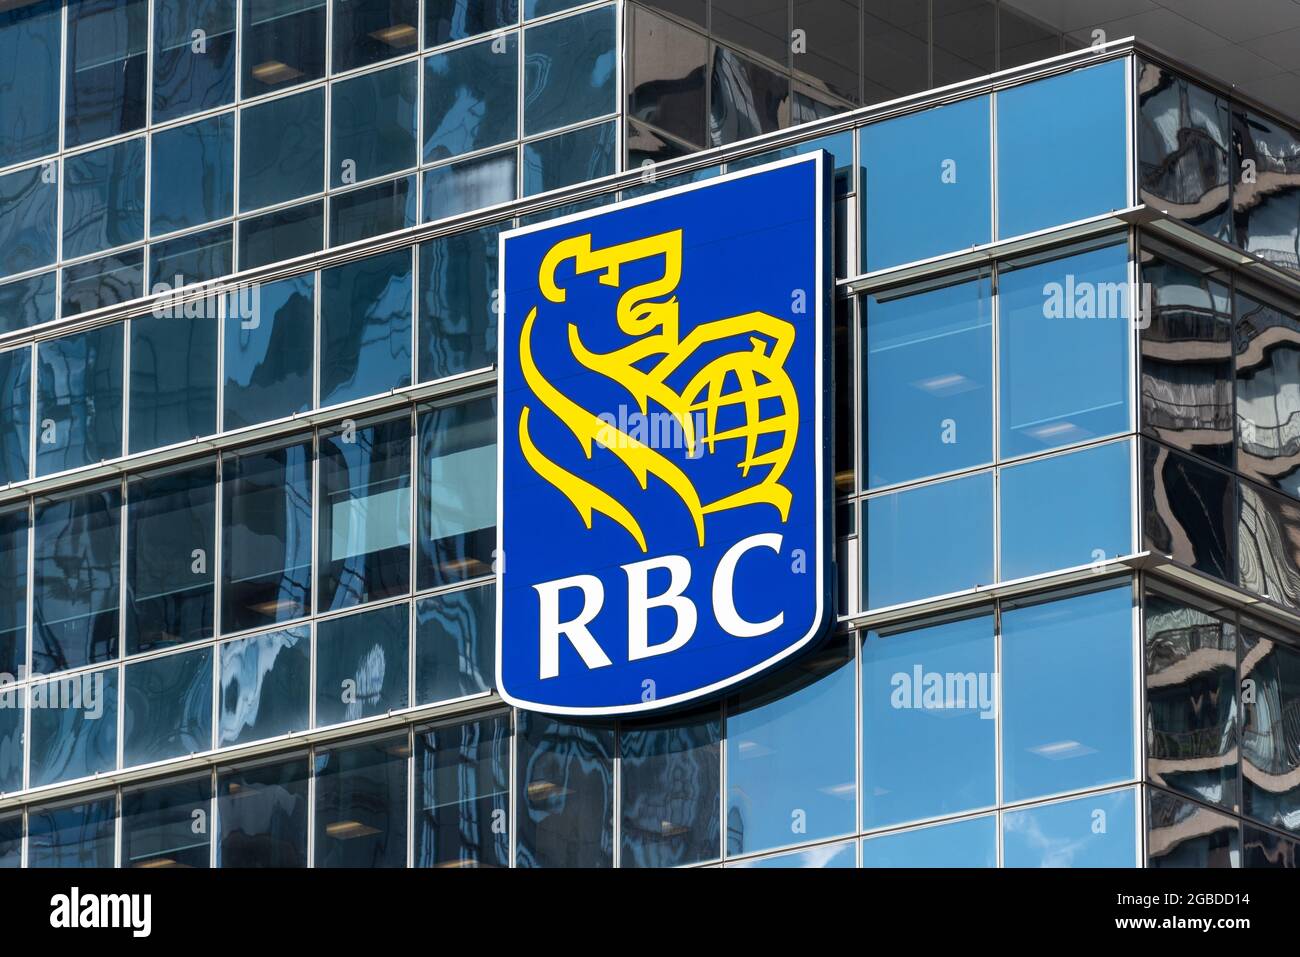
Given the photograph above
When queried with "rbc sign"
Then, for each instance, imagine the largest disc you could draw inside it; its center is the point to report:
(663, 440)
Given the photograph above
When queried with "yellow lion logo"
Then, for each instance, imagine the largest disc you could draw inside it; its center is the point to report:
(649, 314)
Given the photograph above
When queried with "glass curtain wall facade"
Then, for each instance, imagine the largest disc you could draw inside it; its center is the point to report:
(247, 530)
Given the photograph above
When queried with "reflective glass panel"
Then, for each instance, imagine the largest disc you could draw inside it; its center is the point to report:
(199, 185)
(745, 99)
(471, 184)
(169, 825)
(361, 804)
(565, 795)
(30, 38)
(11, 842)
(74, 835)
(1183, 834)
(103, 282)
(471, 97)
(1094, 831)
(193, 56)
(262, 814)
(28, 302)
(361, 665)
(107, 55)
(365, 327)
(570, 70)
(13, 708)
(265, 686)
(73, 727)
(269, 334)
(373, 210)
(283, 234)
(373, 124)
(462, 794)
(1265, 849)
(458, 302)
(969, 843)
(455, 644)
(568, 158)
(962, 35)
(1268, 559)
(282, 149)
(197, 257)
(1268, 402)
(368, 31)
(666, 76)
(1270, 738)
(15, 414)
(283, 44)
(446, 20)
(827, 855)
(1189, 511)
(895, 47)
(173, 375)
(29, 218)
(13, 592)
(103, 198)
(1266, 205)
(168, 707)
(457, 492)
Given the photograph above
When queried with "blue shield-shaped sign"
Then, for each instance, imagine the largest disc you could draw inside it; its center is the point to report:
(663, 514)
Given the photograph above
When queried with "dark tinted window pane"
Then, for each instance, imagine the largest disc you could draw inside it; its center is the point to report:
(365, 513)
(1183, 834)
(565, 794)
(284, 234)
(458, 305)
(1268, 356)
(1189, 511)
(268, 346)
(446, 20)
(1268, 558)
(929, 381)
(1270, 739)
(30, 38)
(107, 53)
(75, 593)
(74, 727)
(904, 558)
(199, 183)
(15, 414)
(193, 56)
(472, 184)
(169, 825)
(759, 27)
(1267, 849)
(1187, 359)
(373, 210)
(457, 492)
(13, 593)
(282, 150)
(647, 146)
(367, 31)
(13, 707)
(168, 707)
(471, 97)
(170, 536)
(462, 795)
(1095, 831)
(361, 665)
(1266, 205)
(963, 33)
(693, 10)
(103, 282)
(373, 125)
(78, 835)
(747, 99)
(11, 842)
(361, 804)
(455, 644)
(1191, 700)
(895, 43)
(262, 815)
(570, 70)
(667, 76)
(198, 257)
(266, 543)
(79, 399)
(103, 198)
(265, 686)
(29, 217)
(28, 302)
(831, 37)
(283, 44)
(1183, 143)
(569, 158)
(671, 780)
(173, 377)
(365, 327)
(923, 168)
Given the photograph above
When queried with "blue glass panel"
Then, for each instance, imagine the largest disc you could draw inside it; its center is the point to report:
(266, 536)
(1093, 831)
(365, 327)
(929, 722)
(107, 58)
(166, 825)
(78, 835)
(369, 31)
(1062, 149)
(265, 686)
(13, 593)
(281, 235)
(103, 282)
(1067, 694)
(929, 381)
(471, 98)
(373, 210)
(455, 644)
(927, 167)
(1066, 510)
(170, 538)
(283, 44)
(456, 508)
(839, 145)
(929, 540)
(361, 804)
(568, 158)
(791, 770)
(462, 794)
(458, 305)
(79, 399)
(28, 302)
(13, 707)
(564, 794)
(30, 38)
(103, 198)
(472, 184)
(365, 512)
(76, 563)
(373, 124)
(826, 856)
(971, 843)
(173, 376)
(29, 218)
(1064, 350)
(73, 727)
(199, 184)
(671, 779)
(446, 20)
(361, 665)
(262, 814)
(540, 8)
(11, 842)
(570, 70)
(193, 56)
(198, 257)
(168, 707)
(268, 346)
(282, 149)
(15, 414)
